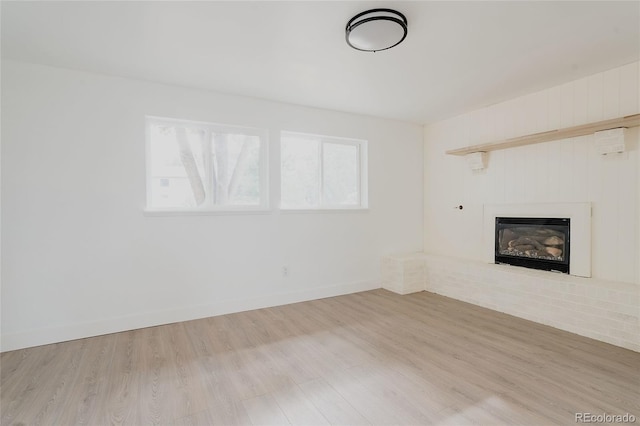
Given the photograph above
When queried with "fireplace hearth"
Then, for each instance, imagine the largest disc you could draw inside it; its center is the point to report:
(537, 243)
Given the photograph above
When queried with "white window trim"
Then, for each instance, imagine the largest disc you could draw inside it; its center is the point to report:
(202, 212)
(362, 174)
(208, 207)
(316, 210)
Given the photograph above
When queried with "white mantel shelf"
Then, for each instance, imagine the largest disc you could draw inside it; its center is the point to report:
(564, 133)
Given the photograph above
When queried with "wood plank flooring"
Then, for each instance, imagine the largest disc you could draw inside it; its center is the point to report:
(365, 358)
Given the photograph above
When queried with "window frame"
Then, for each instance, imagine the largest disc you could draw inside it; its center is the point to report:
(208, 207)
(361, 146)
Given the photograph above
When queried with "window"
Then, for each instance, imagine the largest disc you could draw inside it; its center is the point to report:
(201, 166)
(319, 172)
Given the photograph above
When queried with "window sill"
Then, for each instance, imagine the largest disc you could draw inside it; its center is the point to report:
(258, 211)
(201, 212)
(327, 210)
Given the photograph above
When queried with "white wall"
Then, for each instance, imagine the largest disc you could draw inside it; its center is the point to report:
(559, 171)
(79, 256)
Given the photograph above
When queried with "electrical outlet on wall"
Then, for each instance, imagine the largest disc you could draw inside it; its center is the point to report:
(285, 271)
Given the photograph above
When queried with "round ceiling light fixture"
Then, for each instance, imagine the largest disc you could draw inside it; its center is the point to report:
(376, 29)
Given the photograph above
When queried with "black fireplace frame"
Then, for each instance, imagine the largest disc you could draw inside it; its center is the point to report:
(533, 263)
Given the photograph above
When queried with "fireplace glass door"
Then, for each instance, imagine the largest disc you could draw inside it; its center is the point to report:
(538, 243)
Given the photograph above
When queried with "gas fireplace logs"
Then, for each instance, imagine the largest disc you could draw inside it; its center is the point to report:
(540, 243)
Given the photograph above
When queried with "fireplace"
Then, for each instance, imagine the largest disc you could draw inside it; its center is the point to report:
(538, 243)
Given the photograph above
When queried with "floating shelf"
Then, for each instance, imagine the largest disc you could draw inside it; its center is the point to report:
(567, 132)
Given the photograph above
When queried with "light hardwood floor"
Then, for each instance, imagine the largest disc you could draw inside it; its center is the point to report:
(365, 358)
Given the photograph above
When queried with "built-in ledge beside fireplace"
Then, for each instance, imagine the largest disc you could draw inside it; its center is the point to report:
(592, 307)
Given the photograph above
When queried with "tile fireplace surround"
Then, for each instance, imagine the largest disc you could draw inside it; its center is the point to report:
(603, 310)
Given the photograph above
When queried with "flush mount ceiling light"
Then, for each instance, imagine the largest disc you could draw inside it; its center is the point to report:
(376, 29)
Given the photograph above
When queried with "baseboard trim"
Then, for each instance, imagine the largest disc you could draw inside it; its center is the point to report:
(45, 336)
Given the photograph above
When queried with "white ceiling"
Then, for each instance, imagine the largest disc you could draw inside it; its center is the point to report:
(457, 56)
